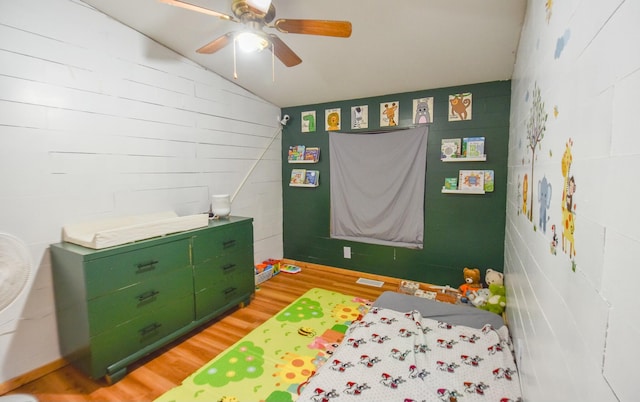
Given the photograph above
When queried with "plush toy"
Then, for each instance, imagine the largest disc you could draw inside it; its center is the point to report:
(479, 297)
(492, 276)
(471, 282)
(497, 300)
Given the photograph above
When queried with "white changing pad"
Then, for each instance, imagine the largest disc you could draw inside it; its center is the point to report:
(117, 231)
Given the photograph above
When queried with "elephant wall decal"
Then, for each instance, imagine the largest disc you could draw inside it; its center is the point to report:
(544, 198)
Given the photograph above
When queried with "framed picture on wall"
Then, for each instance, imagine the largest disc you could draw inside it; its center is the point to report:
(360, 116)
(308, 121)
(423, 110)
(332, 119)
(389, 113)
(460, 106)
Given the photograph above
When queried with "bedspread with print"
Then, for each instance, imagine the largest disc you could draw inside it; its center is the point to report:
(394, 356)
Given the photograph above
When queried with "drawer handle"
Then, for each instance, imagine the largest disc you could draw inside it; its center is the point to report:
(227, 291)
(148, 295)
(228, 243)
(147, 266)
(149, 329)
(228, 267)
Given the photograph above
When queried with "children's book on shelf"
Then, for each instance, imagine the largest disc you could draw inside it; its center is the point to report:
(312, 154)
(311, 177)
(296, 153)
(473, 147)
(298, 176)
(450, 148)
(488, 180)
(451, 183)
(471, 180)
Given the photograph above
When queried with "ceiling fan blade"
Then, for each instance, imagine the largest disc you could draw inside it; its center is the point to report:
(283, 52)
(193, 7)
(216, 44)
(341, 29)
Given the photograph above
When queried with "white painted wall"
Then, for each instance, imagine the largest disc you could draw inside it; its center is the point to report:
(98, 121)
(574, 317)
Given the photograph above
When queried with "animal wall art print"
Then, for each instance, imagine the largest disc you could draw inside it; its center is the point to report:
(308, 120)
(460, 106)
(360, 117)
(568, 205)
(332, 119)
(423, 111)
(389, 112)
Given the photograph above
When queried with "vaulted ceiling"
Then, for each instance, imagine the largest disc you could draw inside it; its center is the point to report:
(395, 46)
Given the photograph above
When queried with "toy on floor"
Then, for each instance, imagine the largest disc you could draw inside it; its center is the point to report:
(289, 269)
(497, 300)
(492, 276)
(493, 297)
(274, 263)
(471, 283)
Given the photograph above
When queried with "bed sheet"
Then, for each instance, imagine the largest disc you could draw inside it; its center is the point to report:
(403, 356)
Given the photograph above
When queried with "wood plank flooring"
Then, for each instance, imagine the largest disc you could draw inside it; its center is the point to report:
(166, 368)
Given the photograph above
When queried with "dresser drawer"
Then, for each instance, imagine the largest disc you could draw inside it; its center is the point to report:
(104, 275)
(128, 338)
(214, 243)
(223, 268)
(112, 309)
(220, 296)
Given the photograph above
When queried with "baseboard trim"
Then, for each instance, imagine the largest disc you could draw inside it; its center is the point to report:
(31, 376)
(343, 271)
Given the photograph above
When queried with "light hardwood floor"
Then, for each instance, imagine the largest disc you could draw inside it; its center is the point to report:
(166, 368)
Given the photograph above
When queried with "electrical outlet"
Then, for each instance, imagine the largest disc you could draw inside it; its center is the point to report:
(346, 251)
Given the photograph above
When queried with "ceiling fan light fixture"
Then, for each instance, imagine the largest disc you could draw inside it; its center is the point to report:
(251, 41)
(255, 15)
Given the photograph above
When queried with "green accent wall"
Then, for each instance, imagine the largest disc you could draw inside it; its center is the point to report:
(460, 230)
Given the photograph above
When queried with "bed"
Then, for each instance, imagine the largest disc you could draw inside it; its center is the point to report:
(407, 348)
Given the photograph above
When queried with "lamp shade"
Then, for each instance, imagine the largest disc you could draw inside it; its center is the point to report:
(251, 41)
(221, 205)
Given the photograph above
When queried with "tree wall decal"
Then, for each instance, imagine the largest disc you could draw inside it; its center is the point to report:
(536, 126)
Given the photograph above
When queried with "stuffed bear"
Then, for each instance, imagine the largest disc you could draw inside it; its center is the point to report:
(492, 276)
(497, 300)
(471, 282)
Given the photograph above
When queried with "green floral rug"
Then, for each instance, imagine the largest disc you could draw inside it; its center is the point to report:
(273, 362)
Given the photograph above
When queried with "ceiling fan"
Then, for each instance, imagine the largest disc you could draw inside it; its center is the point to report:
(258, 14)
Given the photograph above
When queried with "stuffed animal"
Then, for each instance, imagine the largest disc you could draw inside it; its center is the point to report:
(492, 276)
(479, 297)
(497, 300)
(471, 282)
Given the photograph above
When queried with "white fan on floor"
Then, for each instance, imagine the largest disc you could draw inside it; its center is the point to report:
(15, 268)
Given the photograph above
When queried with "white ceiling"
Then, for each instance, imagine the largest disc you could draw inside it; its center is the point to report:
(396, 46)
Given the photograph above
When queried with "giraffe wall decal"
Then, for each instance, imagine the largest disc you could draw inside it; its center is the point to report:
(568, 206)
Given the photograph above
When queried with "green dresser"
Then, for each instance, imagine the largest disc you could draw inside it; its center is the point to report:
(119, 304)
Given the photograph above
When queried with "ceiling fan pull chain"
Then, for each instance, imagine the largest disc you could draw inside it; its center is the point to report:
(273, 65)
